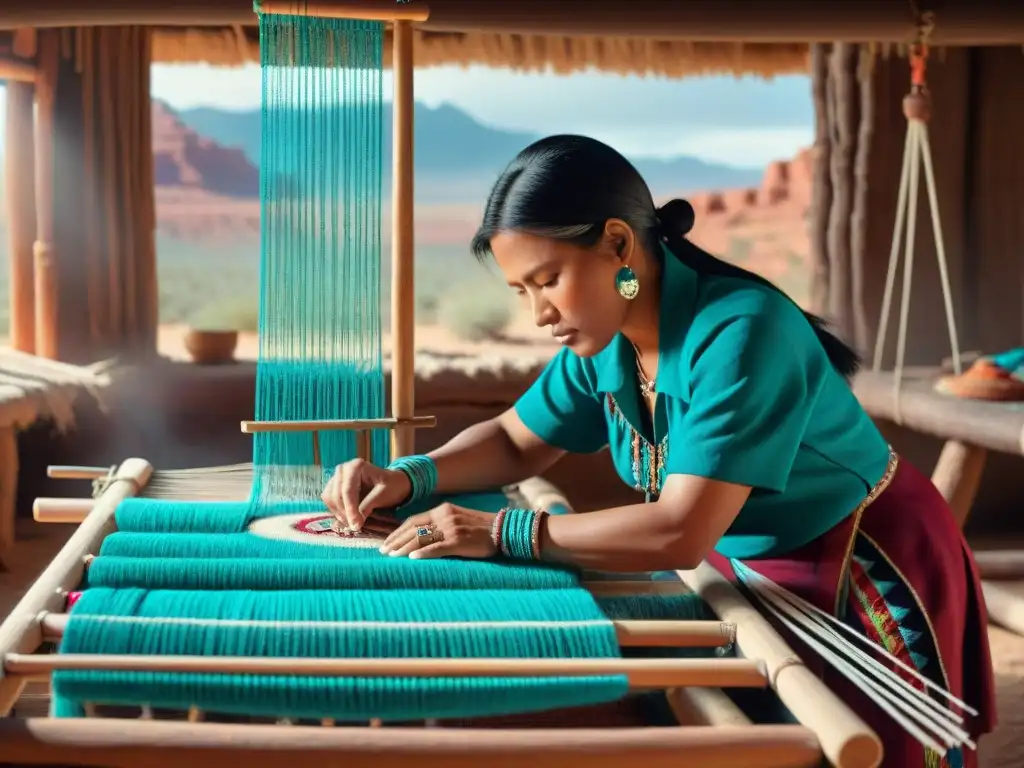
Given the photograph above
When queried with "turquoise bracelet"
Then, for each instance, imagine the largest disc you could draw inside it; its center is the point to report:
(518, 531)
(422, 474)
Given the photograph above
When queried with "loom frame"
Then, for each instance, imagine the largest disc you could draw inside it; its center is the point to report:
(712, 731)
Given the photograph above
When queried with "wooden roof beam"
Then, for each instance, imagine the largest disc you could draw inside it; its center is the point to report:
(959, 22)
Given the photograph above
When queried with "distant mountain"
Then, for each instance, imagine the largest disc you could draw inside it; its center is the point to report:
(458, 158)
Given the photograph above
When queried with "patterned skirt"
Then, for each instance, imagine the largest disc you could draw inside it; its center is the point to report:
(898, 571)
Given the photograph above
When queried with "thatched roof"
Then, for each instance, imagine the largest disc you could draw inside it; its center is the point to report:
(662, 37)
(232, 46)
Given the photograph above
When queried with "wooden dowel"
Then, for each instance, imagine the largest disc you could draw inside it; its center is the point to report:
(122, 743)
(846, 740)
(415, 422)
(641, 673)
(957, 475)
(57, 510)
(17, 71)
(364, 446)
(631, 634)
(1000, 563)
(317, 460)
(20, 632)
(704, 706)
(58, 472)
(357, 10)
(403, 249)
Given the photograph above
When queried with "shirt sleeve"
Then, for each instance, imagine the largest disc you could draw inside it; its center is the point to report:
(750, 402)
(563, 408)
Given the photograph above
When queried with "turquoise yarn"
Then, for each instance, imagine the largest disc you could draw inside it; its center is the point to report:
(254, 624)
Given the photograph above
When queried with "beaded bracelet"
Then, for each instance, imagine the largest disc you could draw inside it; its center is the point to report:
(516, 532)
(422, 474)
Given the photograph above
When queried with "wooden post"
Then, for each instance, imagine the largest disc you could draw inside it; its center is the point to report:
(403, 318)
(43, 256)
(20, 192)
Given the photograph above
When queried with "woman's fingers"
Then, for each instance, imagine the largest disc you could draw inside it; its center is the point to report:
(370, 501)
(437, 549)
(349, 486)
(406, 529)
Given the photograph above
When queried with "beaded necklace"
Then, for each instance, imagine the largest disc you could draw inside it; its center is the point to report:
(648, 461)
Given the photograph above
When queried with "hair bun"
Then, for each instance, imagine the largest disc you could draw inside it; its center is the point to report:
(677, 217)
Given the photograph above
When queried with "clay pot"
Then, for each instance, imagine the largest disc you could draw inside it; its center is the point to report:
(211, 347)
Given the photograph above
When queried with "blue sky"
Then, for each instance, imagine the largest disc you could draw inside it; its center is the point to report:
(743, 122)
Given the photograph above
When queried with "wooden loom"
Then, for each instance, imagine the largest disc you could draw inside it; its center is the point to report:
(712, 730)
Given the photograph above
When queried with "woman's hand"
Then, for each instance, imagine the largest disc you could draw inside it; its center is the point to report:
(358, 488)
(452, 532)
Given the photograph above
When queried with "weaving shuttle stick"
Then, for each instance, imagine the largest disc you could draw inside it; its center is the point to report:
(20, 631)
(845, 739)
(630, 634)
(640, 673)
(357, 10)
(127, 743)
(60, 510)
(58, 472)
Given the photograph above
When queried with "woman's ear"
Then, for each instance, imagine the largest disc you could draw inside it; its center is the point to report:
(619, 235)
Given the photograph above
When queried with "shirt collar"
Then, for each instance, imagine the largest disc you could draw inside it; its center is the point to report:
(616, 363)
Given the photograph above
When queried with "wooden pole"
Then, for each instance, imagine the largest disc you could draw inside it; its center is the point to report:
(46, 337)
(960, 22)
(403, 306)
(119, 743)
(21, 632)
(846, 740)
(20, 194)
(359, 10)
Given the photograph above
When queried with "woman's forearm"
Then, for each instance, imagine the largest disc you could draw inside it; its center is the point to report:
(487, 456)
(639, 537)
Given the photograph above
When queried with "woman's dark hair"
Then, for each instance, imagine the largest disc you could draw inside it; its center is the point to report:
(566, 187)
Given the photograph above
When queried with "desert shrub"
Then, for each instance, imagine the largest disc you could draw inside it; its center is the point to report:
(238, 314)
(476, 311)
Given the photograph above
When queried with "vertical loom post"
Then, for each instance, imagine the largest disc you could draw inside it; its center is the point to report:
(19, 192)
(317, 461)
(403, 318)
(45, 267)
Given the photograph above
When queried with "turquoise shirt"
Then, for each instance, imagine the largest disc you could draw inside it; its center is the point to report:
(746, 395)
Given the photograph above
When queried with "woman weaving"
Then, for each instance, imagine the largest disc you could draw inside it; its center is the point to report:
(719, 399)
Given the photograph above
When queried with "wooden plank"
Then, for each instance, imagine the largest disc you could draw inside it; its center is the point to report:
(960, 22)
(995, 426)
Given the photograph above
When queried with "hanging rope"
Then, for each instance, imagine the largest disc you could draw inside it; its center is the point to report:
(917, 107)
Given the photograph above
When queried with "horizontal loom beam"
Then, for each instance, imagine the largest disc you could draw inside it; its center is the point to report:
(334, 425)
(362, 427)
(121, 743)
(630, 634)
(641, 673)
(356, 10)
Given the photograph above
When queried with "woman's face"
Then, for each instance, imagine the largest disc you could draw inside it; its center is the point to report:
(570, 289)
